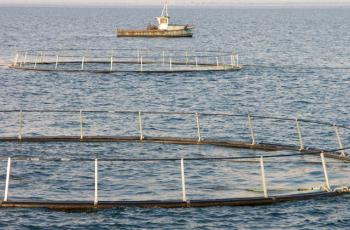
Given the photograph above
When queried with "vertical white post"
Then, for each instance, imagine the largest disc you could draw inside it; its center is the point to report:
(325, 172)
(82, 63)
(252, 134)
(217, 61)
(8, 173)
(183, 182)
(20, 125)
(56, 62)
(263, 178)
(301, 142)
(196, 63)
(170, 64)
(111, 68)
(198, 128)
(81, 124)
(138, 56)
(25, 58)
(96, 182)
(232, 61)
(20, 59)
(141, 64)
(140, 126)
(236, 59)
(223, 62)
(36, 61)
(16, 60)
(342, 152)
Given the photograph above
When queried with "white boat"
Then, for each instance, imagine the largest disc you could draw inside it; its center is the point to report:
(163, 29)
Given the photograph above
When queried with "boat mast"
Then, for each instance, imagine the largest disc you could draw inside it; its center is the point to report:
(163, 20)
(165, 9)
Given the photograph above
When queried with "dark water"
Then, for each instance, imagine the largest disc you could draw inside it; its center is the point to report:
(297, 64)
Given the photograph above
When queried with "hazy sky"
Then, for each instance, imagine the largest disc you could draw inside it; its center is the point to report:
(175, 2)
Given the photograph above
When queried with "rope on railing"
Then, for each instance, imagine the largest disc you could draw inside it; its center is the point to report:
(182, 172)
(204, 53)
(48, 60)
(178, 113)
(199, 137)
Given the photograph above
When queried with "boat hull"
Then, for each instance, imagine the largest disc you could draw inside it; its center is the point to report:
(154, 33)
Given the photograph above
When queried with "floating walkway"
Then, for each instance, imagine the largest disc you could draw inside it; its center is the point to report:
(325, 188)
(86, 206)
(126, 60)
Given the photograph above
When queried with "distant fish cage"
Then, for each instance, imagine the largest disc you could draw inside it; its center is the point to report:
(174, 127)
(155, 60)
(199, 126)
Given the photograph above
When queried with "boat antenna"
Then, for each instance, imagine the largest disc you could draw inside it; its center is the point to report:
(165, 9)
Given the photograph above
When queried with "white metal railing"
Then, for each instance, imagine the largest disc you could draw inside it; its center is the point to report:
(125, 60)
(265, 188)
(197, 124)
(263, 178)
(96, 183)
(301, 142)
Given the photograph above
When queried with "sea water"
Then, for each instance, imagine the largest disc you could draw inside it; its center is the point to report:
(296, 63)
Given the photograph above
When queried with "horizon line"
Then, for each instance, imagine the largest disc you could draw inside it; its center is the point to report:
(302, 5)
(191, 4)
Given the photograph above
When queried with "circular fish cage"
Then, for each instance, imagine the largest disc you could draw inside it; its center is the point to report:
(254, 160)
(126, 60)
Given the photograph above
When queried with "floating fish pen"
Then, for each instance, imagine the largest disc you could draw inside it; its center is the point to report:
(155, 60)
(310, 153)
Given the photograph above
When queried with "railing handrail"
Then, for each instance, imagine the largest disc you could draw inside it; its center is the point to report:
(330, 124)
(197, 124)
(128, 49)
(183, 60)
(326, 185)
(101, 57)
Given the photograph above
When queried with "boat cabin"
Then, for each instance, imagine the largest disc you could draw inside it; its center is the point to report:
(163, 22)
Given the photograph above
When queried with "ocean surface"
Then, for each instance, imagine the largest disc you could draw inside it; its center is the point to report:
(296, 64)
